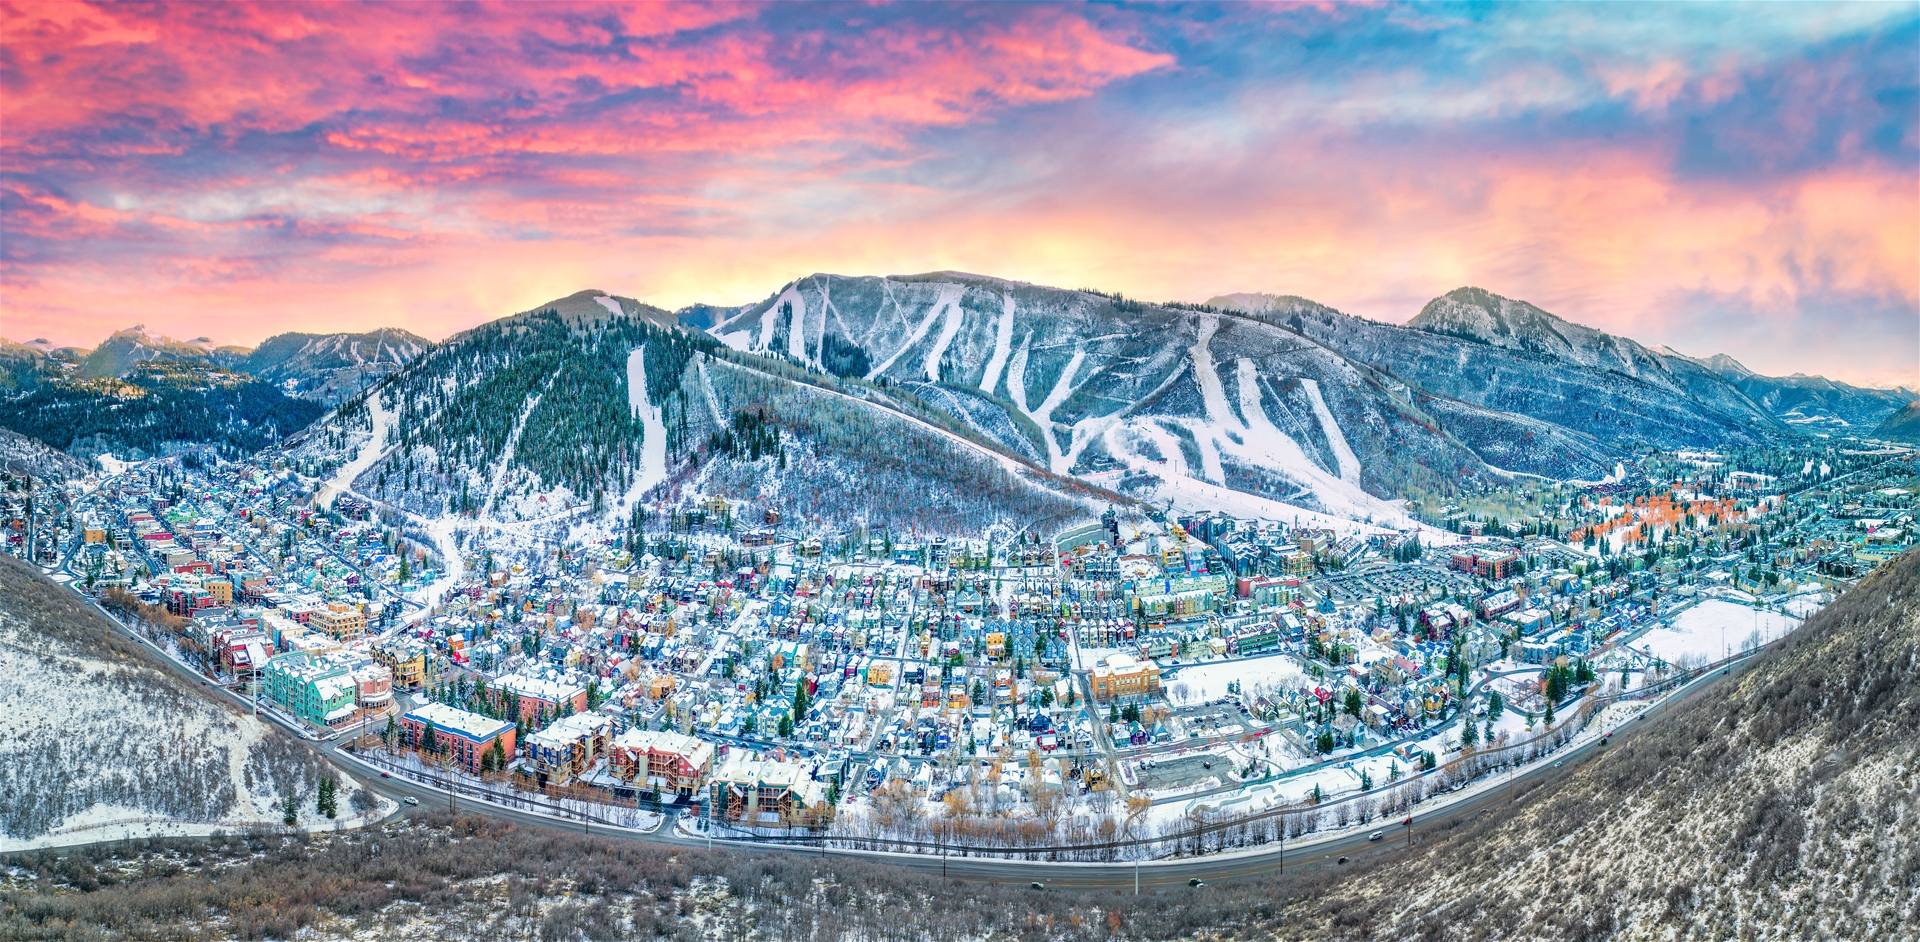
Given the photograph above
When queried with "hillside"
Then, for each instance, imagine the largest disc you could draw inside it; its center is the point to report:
(598, 408)
(1902, 426)
(1164, 403)
(331, 367)
(1510, 358)
(157, 404)
(97, 740)
(1813, 402)
(1781, 804)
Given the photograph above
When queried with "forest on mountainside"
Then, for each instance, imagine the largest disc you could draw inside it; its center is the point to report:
(157, 404)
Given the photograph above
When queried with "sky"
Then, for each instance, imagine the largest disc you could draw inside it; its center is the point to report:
(1717, 178)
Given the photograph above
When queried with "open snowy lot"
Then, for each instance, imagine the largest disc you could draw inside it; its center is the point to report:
(1712, 630)
(1202, 682)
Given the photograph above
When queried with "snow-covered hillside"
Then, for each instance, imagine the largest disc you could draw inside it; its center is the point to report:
(1181, 405)
(97, 742)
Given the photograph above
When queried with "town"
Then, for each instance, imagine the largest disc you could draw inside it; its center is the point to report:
(1119, 679)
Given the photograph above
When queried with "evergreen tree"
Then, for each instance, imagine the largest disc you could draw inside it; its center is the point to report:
(325, 801)
(289, 812)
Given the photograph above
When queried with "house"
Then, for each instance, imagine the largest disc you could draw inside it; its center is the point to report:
(1119, 675)
(662, 761)
(565, 750)
(467, 737)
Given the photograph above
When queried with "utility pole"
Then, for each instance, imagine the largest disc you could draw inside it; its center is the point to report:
(1136, 876)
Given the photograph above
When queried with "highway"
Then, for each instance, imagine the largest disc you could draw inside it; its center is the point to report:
(1318, 852)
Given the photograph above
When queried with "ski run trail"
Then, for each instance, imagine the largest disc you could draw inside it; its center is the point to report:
(1343, 455)
(1002, 341)
(372, 451)
(1249, 438)
(949, 298)
(653, 440)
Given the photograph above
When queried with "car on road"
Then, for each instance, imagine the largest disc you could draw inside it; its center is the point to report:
(1036, 885)
(1196, 881)
(386, 775)
(1375, 836)
(410, 800)
(1342, 861)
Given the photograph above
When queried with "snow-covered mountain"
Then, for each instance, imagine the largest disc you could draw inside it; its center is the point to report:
(1601, 395)
(329, 367)
(951, 401)
(125, 349)
(1814, 402)
(600, 411)
(1197, 407)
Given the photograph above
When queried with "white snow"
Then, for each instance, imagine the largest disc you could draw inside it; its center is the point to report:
(612, 306)
(371, 451)
(1712, 630)
(1343, 455)
(653, 442)
(1202, 682)
(949, 294)
(955, 316)
(1002, 343)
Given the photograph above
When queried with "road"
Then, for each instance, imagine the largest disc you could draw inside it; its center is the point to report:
(1146, 875)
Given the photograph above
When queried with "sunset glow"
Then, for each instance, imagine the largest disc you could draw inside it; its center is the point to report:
(1716, 178)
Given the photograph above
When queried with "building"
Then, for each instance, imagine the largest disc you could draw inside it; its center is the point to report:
(406, 658)
(569, 748)
(1495, 566)
(467, 737)
(539, 698)
(662, 762)
(1122, 676)
(338, 622)
(766, 793)
(319, 690)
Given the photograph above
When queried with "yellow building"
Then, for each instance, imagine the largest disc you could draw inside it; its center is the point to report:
(221, 590)
(406, 658)
(338, 622)
(1122, 676)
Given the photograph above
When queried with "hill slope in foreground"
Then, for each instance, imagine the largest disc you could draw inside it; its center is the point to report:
(1778, 804)
(99, 742)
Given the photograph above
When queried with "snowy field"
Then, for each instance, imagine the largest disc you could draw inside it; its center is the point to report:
(1202, 682)
(1712, 630)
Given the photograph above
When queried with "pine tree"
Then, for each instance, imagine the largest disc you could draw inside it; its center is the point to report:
(324, 802)
(290, 812)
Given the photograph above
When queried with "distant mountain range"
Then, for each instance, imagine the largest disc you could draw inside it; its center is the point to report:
(1051, 399)
(138, 393)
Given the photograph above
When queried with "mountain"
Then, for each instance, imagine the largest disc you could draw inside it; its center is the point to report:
(598, 407)
(1901, 426)
(1168, 403)
(99, 741)
(126, 349)
(158, 403)
(330, 367)
(1813, 402)
(1779, 803)
(1598, 395)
